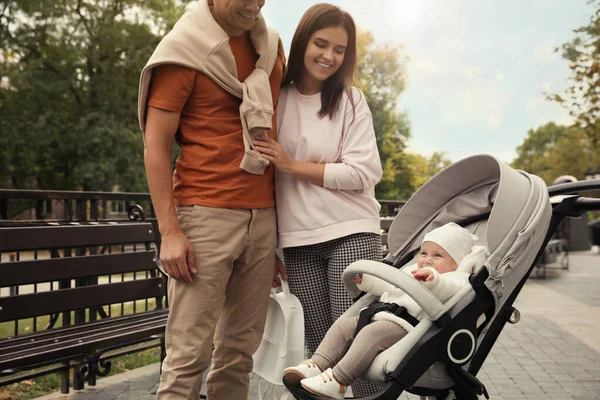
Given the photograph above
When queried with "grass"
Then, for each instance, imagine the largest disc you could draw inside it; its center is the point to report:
(32, 388)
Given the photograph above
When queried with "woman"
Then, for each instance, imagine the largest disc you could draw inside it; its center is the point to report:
(327, 167)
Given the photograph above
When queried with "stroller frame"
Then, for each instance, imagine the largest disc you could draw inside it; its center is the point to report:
(431, 348)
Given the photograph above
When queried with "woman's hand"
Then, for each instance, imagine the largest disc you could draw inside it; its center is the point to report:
(275, 153)
(279, 272)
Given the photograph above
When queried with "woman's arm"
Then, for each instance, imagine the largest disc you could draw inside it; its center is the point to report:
(359, 167)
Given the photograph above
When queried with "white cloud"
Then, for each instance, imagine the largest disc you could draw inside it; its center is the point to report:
(471, 71)
(541, 111)
(532, 104)
(427, 67)
(544, 52)
(494, 121)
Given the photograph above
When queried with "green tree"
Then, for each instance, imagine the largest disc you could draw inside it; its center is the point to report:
(554, 150)
(572, 155)
(582, 98)
(423, 168)
(68, 95)
(381, 76)
(532, 155)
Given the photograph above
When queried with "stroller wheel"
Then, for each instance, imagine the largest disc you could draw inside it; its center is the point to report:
(515, 316)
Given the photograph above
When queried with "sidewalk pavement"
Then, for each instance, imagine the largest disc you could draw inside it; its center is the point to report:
(553, 353)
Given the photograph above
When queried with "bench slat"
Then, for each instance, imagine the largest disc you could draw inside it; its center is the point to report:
(67, 236)
(44, 303)
(67, 349)
(56, 269)
(52, 337)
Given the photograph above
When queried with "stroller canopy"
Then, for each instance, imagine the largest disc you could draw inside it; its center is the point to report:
(517, 204)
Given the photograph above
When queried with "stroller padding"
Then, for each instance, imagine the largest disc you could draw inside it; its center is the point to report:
(424, 298)
(437, 376)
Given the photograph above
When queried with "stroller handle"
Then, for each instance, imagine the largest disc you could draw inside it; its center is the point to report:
(584, 204)
(430, 304)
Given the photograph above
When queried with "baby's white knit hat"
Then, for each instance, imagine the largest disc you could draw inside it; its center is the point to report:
(456, 240)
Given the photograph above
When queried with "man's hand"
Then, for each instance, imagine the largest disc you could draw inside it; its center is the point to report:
(177, 257)
(279, 270)
(423, 275)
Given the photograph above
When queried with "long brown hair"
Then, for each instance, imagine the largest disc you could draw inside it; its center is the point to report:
(318, 17)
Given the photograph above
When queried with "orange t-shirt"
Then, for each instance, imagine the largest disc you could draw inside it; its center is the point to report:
(207, 171)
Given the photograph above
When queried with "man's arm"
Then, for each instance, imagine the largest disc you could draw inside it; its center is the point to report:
(176, 253)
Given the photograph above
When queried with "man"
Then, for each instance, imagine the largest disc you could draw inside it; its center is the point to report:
(211, 85)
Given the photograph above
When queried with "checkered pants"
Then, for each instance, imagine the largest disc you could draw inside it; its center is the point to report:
(315, 277)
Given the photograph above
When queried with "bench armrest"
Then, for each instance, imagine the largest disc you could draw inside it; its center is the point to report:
(430, 304)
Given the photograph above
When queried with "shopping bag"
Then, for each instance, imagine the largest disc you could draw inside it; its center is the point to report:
(282, 344)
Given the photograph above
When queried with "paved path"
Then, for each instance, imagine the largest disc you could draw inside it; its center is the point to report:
(553, 353)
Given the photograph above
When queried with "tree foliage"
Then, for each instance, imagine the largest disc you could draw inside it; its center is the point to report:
(68, 95)
(555, 150)
(582, 98)
(381, 76)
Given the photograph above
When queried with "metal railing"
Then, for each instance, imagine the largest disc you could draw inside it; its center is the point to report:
(44, 206)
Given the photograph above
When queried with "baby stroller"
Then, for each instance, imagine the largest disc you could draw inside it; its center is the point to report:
(511, 213)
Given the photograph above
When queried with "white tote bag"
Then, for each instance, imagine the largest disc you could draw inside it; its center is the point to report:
(282, 344)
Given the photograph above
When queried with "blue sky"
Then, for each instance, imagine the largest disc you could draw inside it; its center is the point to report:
(478, 69)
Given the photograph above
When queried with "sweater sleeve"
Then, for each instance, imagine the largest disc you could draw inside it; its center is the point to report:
(374, 285)
(359, 168)
(378, 287)
(444, 286)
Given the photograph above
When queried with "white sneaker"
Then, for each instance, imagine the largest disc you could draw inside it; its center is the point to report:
(306, 369)
(324, 385)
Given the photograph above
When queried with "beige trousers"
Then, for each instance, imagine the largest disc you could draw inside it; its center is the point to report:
(225, 305)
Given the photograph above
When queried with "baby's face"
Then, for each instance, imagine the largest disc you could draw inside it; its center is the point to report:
(433, 255)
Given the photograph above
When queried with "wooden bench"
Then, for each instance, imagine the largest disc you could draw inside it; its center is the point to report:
(88, 260)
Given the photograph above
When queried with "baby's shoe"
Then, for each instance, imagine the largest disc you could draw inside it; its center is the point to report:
(306, 369)
(324, 385)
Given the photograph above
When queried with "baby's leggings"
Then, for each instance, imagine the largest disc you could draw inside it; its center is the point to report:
(350, 357)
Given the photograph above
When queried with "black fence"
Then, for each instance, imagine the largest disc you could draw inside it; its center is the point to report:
(46, 206)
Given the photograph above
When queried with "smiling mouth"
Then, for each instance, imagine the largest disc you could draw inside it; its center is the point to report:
(249, 17)
(322, 65)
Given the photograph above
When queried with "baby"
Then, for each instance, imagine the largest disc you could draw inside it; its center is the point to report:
(447, 258)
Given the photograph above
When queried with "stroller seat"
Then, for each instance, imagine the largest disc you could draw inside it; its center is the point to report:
(510, 212)
(436, 377)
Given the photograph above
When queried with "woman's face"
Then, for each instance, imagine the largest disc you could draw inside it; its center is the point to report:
(324, 54)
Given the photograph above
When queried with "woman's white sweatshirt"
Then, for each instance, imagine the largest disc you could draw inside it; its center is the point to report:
(308, 213)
